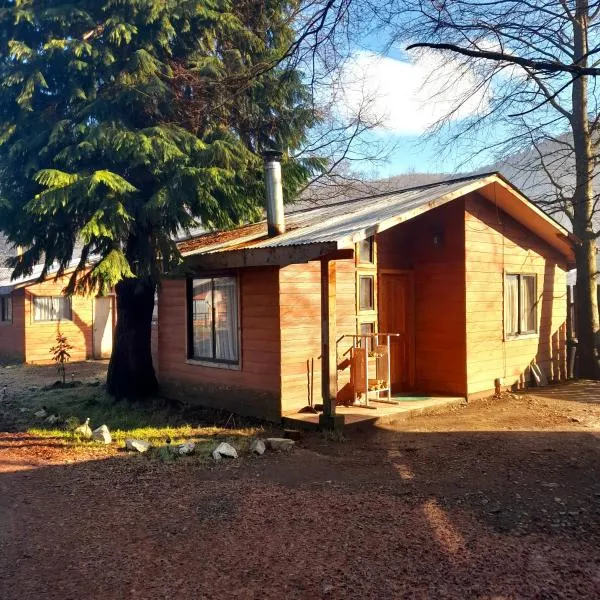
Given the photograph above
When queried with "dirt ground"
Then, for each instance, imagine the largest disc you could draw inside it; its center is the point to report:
(498, 499)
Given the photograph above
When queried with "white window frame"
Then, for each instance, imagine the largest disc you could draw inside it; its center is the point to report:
(60, 318)
(371, 277)
(209, 361)
(521, 331)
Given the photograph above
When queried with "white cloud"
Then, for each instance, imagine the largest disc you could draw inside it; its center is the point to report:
(409, 96)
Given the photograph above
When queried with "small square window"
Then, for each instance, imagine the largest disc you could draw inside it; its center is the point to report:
(366, 252)
(366, 292)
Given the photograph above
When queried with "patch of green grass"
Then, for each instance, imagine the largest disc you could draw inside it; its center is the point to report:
(154, 420)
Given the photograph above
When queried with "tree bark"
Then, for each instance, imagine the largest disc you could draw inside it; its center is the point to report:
(131, 372)
(586, 307)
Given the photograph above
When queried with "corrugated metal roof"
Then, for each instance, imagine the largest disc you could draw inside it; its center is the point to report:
(7, 250)
(343, 222)
(7, 285)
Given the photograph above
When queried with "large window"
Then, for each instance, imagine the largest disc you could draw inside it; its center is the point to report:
(5, 309)
(213, 319)
(51, 308)
(520, 308)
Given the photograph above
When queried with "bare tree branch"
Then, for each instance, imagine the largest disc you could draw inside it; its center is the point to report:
(544, 66)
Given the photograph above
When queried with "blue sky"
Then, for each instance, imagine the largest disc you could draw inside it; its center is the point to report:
(412, 153)
(400, 88)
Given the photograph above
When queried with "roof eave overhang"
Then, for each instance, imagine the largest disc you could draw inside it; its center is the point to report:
(33, 279)
(386, 224)
(498, 190)
(493, 187)
(11, 287)
(257, 257)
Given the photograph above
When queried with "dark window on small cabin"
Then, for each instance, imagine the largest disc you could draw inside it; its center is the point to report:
(6, 309)
(366, 292)
(52, 308)
(213, 319)
(366, 253)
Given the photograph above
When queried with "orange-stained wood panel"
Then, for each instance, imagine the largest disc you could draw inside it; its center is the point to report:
(300, 313)
(12, 333)
(395, 316)
(431, 247)
(300, 322)
(254, 387)
(496, 244)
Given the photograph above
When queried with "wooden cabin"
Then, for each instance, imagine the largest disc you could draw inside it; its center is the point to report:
(467, 276)
(32, 312)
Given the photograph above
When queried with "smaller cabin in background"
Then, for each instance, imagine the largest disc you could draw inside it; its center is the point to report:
(32, 312)
(467, 276)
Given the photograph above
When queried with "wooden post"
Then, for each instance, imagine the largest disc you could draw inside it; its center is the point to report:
(570, 328)
(571, 345)
(328, 419)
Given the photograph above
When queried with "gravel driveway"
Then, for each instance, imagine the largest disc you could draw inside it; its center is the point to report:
(500, 499)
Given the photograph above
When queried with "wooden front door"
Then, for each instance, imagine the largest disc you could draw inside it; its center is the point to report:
(395, 316)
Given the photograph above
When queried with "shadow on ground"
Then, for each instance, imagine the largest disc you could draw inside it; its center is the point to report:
(386, 515)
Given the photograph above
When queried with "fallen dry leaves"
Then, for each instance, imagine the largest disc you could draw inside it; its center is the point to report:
(440, 506)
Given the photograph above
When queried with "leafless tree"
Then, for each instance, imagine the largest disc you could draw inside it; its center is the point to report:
(533, 64)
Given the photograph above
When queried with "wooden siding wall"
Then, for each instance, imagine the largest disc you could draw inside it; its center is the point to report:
(439, 288)
(347, 323)
(12, 334)
(254, 388)
(496, 244)
(300, 322)
(300, 310)
(40, 336)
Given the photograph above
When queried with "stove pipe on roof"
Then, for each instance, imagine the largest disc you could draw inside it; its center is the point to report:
(275, 214)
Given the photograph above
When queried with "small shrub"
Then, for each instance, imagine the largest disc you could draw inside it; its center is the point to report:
(71, 424)
(165, 454)
(61, 355)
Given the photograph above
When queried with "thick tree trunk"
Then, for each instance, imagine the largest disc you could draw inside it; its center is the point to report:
(586, 307)
(131, 372)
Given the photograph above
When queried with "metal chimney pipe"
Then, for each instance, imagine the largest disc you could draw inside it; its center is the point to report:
(275, 214)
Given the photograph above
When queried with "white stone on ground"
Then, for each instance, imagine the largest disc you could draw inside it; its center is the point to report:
(102, 434)
(52, 419)
(40, 414)
(84, 430)
(257, 447)
(280, 444)
(224, 450)
(137, 445)
(186, 448)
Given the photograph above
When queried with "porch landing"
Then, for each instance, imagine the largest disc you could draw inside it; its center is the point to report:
(382, 413)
